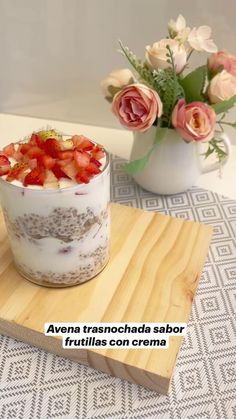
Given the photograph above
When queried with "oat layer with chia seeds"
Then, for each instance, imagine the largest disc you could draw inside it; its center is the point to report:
(64, 224)
(72, 246)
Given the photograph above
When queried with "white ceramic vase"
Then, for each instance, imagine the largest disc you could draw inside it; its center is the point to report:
(174, 165)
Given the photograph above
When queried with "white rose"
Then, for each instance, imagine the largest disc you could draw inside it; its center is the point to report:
(222, 87)
(115, 81)
(157, 55)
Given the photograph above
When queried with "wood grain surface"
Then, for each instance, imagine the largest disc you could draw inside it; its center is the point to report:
(152, 276)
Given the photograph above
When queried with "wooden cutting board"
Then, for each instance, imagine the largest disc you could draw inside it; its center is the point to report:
(152, 276)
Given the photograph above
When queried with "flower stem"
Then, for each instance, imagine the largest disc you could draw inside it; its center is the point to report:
(190, 53)
(231, 124)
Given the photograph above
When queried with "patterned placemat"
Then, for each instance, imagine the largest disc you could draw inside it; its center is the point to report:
(36, 384)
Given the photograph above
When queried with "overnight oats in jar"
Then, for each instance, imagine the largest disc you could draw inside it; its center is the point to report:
(55, 194)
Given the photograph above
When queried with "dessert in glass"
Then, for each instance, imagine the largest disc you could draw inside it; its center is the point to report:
(54, 193)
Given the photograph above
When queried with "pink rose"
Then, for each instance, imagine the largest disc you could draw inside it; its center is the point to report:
(222, 59)
(137, 106)
(194, 121)
(221, 87)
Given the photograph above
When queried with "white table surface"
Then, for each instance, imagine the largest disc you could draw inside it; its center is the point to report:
(13, 127)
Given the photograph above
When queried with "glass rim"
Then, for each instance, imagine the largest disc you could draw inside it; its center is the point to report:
(60, 190)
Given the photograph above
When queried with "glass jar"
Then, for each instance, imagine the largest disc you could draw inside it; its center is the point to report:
(59, 237)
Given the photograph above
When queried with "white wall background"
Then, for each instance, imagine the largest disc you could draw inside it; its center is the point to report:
(55, 52)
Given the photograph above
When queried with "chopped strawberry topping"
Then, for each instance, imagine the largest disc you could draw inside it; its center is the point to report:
(66, 144)
(34, 152)
(77, 140)
(98, 153)
(9, 150)
(93, 160)
(16, 171)
(52, 147)
(35, 177)
(32, 163)
(45, 159)
(4, 161)
(24, 148)
(82, 158)
(83, 177)
(58, 172)
(66, 155)
(17, 156)
(70, 170)
(93, 169)
(36, 140)
(4, 165)
(82, 143)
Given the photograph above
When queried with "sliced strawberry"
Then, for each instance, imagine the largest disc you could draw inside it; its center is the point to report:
(46, 161)
(86, 145)
(66, 144)
(62, 163)
(16, 171)
(77, 140)
(98, 153)
(83, 177)
(93, 160)
(32, 163)
(58, 172)
(34, 152)
(82, 158)
(4, 165)
(52, 147)
(70, 170)
(36, 140)
(93, 169)
(18, 156)
(50, 181)
(39, 141)
(66, 155)
(24, 148)
(35, 177)
(4, 161)
(9, 150)
(82, 143)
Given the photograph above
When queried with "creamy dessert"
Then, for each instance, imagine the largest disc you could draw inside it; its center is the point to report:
(55, 195)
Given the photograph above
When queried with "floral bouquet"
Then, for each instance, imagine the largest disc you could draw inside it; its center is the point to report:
(162, 95)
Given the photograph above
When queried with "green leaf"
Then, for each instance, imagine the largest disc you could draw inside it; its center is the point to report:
(113, 90)
(109, 99)
(138, 165)
(225, 105)
(216, 145)
(194, 83)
